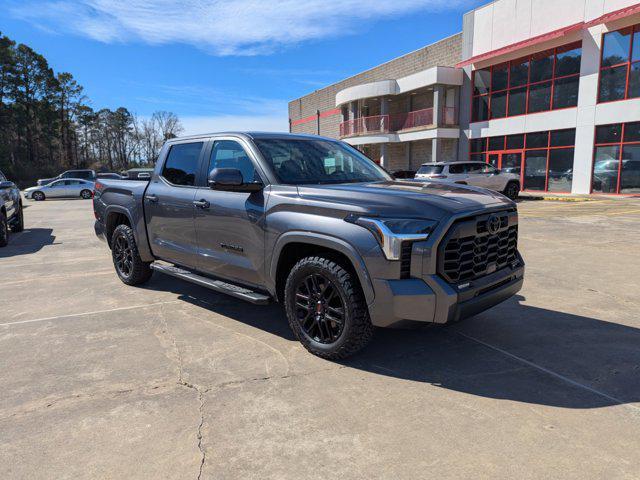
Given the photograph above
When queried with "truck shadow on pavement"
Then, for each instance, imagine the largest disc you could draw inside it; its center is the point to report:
(512, 352)
(30, 240)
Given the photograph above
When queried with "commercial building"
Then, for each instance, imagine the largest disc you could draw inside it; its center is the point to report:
(549, 89)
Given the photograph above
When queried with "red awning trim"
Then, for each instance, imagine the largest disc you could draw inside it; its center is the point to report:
(617, 15)
(545, 37)
(311, 118)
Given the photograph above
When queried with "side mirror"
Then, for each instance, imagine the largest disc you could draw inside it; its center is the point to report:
(498, 171)
(230, 179)
(6, 184)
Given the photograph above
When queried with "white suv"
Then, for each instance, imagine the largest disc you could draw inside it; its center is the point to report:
(477, 174)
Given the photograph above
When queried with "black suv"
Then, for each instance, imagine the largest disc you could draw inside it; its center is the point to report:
(10, 209)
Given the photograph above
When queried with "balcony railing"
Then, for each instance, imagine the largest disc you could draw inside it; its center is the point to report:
(397, 122)
(364, 125)
(418, 118)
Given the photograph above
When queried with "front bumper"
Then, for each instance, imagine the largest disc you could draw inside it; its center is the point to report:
(432, 300)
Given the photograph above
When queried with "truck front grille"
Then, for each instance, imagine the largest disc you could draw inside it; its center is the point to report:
(405, 260)
(469, 251)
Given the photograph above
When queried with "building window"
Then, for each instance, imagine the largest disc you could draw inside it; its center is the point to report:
(537, 83)
(616, 160)
(620, 65)
(544, 160)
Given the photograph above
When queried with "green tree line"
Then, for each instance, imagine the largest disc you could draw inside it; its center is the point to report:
(47, 124)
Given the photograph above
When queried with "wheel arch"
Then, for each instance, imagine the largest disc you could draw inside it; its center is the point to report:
(293, 246)
(114, 217)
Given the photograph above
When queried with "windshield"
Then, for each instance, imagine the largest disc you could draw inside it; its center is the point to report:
(430, 169)
(304, 162)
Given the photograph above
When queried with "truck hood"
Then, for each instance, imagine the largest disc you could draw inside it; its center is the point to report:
(433, 200)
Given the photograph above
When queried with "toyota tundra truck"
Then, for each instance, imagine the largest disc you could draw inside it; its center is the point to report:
(312, 223)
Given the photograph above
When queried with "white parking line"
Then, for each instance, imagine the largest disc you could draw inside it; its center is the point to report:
(551, 372)
(95, 312)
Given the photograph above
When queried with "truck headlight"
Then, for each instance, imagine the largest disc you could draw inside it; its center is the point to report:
(392, 232)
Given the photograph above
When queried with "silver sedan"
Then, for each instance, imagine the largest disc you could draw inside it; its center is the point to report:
(68, 187)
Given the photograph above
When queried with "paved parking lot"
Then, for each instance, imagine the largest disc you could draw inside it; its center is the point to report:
(101, 380)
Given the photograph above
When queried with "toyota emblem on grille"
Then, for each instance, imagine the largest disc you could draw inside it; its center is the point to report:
(493, 224)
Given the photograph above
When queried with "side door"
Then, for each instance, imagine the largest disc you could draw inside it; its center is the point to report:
(168, 203)
(475, 176)
(492, 180)
(56, 189)
(72, 188)
(230, 224)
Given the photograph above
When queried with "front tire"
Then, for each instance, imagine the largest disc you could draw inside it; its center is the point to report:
(326, 309)
(4, 230)
(126, 258)
(18, 224)
(38, 196)
(86, 194)
(512, 190)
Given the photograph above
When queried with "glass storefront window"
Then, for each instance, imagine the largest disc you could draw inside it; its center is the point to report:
(630, 173)
(605, 169)
(544, 160)
(620, 65)
(535, 170)
(511, 86)
(560, 170)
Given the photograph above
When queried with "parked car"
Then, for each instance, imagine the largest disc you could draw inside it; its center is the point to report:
(82, 174)
(477, 174)
(11, 213)
(111, 175)
(312, 223)
(69, 188)
(138, 174)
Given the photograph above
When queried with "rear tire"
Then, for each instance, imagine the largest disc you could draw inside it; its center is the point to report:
(18, 224)
(326, 309)
(4, 230)
(512, 190)
(38, 196)
(126, 258)
(86, 194)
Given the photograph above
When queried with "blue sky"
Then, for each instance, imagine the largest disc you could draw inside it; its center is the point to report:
(222, 64)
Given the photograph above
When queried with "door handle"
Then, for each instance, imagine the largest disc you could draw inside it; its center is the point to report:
(152, 198)
(202, 204)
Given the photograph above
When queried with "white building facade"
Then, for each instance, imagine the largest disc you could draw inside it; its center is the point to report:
(549, 89)
(552, 90)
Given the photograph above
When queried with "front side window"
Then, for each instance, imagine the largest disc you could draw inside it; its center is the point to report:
(230, 154)
(620, 65)
(616, 160)
(182, 163)
(540, 82)
(305, 162)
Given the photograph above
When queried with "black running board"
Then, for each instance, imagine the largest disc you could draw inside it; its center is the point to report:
(216, 285)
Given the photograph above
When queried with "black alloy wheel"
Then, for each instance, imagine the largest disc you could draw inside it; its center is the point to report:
(512, 191)
(38, 196)
(86, 194)
(320, 309)
(123, 255)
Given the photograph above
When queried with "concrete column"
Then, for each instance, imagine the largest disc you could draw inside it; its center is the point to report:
(384, 110)
(438, 104)
(586, 115)
(436, 150)
(384, 160)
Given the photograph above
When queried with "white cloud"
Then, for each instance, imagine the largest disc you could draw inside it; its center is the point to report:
(223, 123)
(221, 27)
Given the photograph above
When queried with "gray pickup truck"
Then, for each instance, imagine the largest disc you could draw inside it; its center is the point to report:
(312, 223)
(11, 216)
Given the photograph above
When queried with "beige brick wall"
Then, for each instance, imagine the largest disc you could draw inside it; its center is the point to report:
(446, 52)
(421, 152)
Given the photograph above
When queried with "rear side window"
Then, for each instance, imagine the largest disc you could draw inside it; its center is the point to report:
(431, 169)
(456, 168)
(182, 163)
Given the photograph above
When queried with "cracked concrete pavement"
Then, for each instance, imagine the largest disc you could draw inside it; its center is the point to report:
(101, 380)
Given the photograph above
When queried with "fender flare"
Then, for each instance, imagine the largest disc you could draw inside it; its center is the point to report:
(326, 241)
(139, 231)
